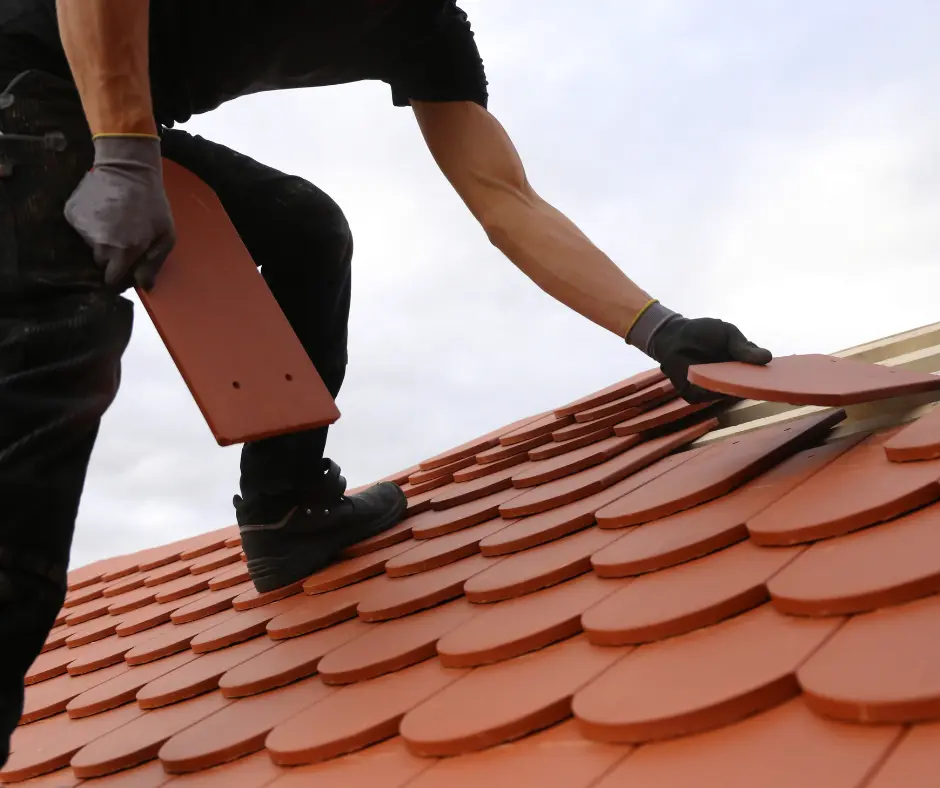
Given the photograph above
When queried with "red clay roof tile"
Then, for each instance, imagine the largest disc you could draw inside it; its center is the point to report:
(553, 448)
(440, 550)
(523, 695)
(689, 596)
(522, 624)
(879, 667)
(701, 680)
(658, 392)
(850, 574)
(498, 453)
(396, 644)
(813, 379)
(488, 469)
(543, 426)
(352, 570)
(919, 440)
(615, 391)
(913, 762)
(573, 461)
(357, 715)
(437, 523)
(670, 412)
(881, 489)
(323, 610)
(289, 660)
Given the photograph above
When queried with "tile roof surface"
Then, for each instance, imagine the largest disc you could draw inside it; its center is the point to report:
(582, 598)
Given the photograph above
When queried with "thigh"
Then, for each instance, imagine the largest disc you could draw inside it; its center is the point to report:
(284, 220)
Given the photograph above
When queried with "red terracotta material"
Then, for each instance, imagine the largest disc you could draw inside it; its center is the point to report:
(207, 604)
(556, 448)
(592, 480)
(251, 598)
(235, 575)
(917, 441)
(52, 696)
(576, 430)
(686, 597)
(384, 765)
(239, 729)
(466, 492)
(544, 426)
(353, 570)
(87, 612)
(572, 462)
(811, 380)
(139, 741)
(251, 379)
(913, 763)
(172, 638)
(98, 629)
(323, 610)
(501, 452)
(880, 490)
(237, 629)
(784, 747)
(290, 660)
(728, 465)
(203, 544)
(123, 689)
(441, 550)
(400, 533)
(539, 567)
(56, 638)
(713, 525)
(479, 471)
(393, 645)
(49, 665)
(534, 691)
(105, 652)
(432, 524)
(413, 490)
(879, 667)
(199, 676)
(356, 716)
(180, 588)
(615, 391)
(638, 399)
(851, 574)
(86, 594)
(252, 771)
(216, 560)
(406, 595)
(556, 756)
(124, 585)
(702, 680)
(50, 744)
(90, 574)
(166, 573)
(669, 412)
(420, 477)
(522, 624)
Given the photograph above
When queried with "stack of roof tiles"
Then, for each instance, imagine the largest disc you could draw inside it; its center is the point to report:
(589, 597)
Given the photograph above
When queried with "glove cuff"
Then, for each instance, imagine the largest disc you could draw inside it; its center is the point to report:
(646, 326)
(128, 149)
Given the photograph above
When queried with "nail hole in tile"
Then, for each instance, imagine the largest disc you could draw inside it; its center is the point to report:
(288, 377)
(236, 384)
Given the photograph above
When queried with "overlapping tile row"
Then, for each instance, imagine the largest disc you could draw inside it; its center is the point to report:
(616, 607)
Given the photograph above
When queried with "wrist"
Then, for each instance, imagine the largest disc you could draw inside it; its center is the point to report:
(128, 148)
(653, 317)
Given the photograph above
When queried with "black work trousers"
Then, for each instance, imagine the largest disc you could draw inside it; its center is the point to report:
(63, 335)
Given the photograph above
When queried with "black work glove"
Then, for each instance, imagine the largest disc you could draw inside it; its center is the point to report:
(121, 210)
(676, 343)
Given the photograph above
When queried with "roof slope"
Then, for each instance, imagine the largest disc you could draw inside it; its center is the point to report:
(603, 595)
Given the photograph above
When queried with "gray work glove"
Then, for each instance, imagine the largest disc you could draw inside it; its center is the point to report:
(121, 210)
(676, 343)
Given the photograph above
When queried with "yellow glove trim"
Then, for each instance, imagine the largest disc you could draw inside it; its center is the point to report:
(639, 314)
(127, 134)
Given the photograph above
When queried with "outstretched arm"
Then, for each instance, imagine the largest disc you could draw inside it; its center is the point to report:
(107, 46)
(477, 156)
(480, 161)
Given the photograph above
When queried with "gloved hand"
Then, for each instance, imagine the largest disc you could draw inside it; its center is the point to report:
(676, 343)
(121, 210)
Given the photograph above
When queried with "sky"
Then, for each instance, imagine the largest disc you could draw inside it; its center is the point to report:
(772, 163)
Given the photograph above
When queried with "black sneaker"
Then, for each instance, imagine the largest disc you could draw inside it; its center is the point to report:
(313, 533)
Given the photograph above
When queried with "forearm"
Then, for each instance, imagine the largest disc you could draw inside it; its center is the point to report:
(107, 46)
(547, 246)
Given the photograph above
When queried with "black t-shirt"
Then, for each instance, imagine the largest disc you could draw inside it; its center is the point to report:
(206, 52)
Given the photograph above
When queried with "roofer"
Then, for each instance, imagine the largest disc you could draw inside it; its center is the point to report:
(113, 77)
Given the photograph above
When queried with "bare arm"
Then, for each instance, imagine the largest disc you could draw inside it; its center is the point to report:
(107, 46)
(478, 158)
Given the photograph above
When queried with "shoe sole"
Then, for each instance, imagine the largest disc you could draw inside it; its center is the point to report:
(274, 572)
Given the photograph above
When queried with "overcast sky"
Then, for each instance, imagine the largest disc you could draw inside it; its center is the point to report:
(775, 163)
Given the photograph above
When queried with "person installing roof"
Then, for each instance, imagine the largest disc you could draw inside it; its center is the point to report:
(80, 226)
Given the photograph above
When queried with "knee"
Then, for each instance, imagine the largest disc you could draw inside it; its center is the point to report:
(320, 220)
